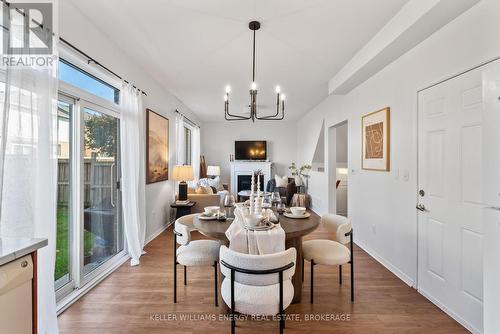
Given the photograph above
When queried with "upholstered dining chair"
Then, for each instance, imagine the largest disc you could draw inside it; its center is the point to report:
(257, 284)
(329, 252)
(193, 253)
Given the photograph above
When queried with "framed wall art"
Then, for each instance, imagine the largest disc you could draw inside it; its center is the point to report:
(157, 132)
(376, 140)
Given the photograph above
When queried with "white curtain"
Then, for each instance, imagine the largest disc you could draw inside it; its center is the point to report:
(132, 145)
(28, 167)
(195, 142)
(179, 135)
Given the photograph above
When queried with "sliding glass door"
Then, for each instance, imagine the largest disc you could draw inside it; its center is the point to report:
(63, 268)
(90, 236)
(102, 223)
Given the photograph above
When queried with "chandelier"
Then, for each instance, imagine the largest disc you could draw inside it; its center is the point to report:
(280, 98)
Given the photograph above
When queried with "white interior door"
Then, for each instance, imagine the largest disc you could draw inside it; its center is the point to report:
(450, 237)
(491, 197)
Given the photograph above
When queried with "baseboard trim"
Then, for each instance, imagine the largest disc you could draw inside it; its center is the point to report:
(156, 234)
(401, 275)
(449, 312)
(71, 298)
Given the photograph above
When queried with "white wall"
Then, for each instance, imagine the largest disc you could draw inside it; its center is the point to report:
(76, 28)
(382, 204)
(217, 142)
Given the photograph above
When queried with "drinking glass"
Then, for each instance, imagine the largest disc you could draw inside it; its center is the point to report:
(229, 200)
(221, 215)
(281, 207)
(275, 198)
(266, 202)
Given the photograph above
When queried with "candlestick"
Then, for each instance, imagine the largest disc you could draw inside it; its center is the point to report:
(258, 186)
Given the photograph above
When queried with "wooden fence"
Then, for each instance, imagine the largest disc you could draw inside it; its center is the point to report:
(98, 179)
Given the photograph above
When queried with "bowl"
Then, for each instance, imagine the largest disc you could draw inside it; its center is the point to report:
(253, 219)
(211, 210)
(298, 210)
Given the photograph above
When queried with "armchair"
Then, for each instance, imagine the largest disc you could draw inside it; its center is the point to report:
(287, 191)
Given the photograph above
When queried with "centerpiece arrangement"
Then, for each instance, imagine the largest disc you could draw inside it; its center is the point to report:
(300, 174)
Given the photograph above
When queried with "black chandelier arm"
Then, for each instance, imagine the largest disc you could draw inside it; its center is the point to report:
(236, 117)
(231, 116)
(275, 116)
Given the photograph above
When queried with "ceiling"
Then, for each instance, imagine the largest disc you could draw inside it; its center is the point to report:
(194, 48)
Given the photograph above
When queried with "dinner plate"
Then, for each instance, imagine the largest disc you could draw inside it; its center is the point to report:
(291, 215)
(264, 227)
(203, 217)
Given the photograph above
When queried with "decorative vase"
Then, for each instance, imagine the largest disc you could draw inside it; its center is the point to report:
(298, 181)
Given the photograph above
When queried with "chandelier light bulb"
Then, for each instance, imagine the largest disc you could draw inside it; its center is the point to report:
(253, 86)
(283, 97)
(278, 89)
(228, 89)
(225, 98)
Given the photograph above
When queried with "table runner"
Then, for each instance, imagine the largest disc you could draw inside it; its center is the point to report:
(254, 242)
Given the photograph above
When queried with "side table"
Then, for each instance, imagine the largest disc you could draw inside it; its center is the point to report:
(182, 209)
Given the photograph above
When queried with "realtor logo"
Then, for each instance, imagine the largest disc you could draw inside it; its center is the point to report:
(27, 28)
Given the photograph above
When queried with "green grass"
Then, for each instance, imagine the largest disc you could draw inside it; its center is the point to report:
(62, 254)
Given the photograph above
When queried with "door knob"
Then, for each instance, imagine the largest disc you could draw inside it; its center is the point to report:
(421, 207)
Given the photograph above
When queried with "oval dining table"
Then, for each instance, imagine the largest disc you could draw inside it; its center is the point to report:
(295, 229)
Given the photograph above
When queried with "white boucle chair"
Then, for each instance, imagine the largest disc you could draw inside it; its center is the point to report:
(193, 253)
(329, 252)
(257, 284)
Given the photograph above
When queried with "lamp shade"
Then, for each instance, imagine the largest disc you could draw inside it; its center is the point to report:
(213, 170)
(182, 173)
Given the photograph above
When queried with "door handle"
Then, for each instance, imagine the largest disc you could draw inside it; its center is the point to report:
(421, 207)
(112, 176)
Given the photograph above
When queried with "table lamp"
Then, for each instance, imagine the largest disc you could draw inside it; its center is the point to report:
(183, 174)
(213, 171)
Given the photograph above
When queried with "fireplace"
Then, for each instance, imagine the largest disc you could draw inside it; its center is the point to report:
(245, 182)
(241, 174)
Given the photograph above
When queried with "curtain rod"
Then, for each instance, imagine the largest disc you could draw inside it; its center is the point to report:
(92, 60)
(190, 121)
(89, 58)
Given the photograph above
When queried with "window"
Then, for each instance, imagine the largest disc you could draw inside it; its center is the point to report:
(64, 184)
(87, 82)
(90, 236)
(187, 146)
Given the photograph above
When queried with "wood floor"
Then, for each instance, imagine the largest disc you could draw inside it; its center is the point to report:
(139, 300)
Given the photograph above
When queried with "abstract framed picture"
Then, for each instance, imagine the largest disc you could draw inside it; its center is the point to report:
(376, 140)
(156, 147)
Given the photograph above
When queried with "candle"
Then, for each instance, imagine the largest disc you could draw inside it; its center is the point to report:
(252, 204)
(258, 186)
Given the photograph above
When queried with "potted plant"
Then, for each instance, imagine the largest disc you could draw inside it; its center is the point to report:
(300, 174)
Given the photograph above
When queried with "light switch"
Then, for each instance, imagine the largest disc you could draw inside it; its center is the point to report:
(406, 175)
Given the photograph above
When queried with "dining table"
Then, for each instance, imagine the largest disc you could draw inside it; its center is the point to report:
(295, 230)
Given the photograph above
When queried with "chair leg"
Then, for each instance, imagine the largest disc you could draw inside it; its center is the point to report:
(302, 269)
(352, 280)
(281, 311)
(175, 268)
(185, 276)
(340, 274)
(352, 264)
(175, 282)
(233, 312)
(312, 281)
(216, 283)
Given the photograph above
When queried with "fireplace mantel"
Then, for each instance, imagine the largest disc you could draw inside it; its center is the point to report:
(247, 168)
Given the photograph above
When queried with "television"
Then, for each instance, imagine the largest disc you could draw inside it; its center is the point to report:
(250, 150)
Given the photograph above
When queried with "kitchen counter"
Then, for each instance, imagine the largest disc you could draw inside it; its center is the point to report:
(14, 248)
